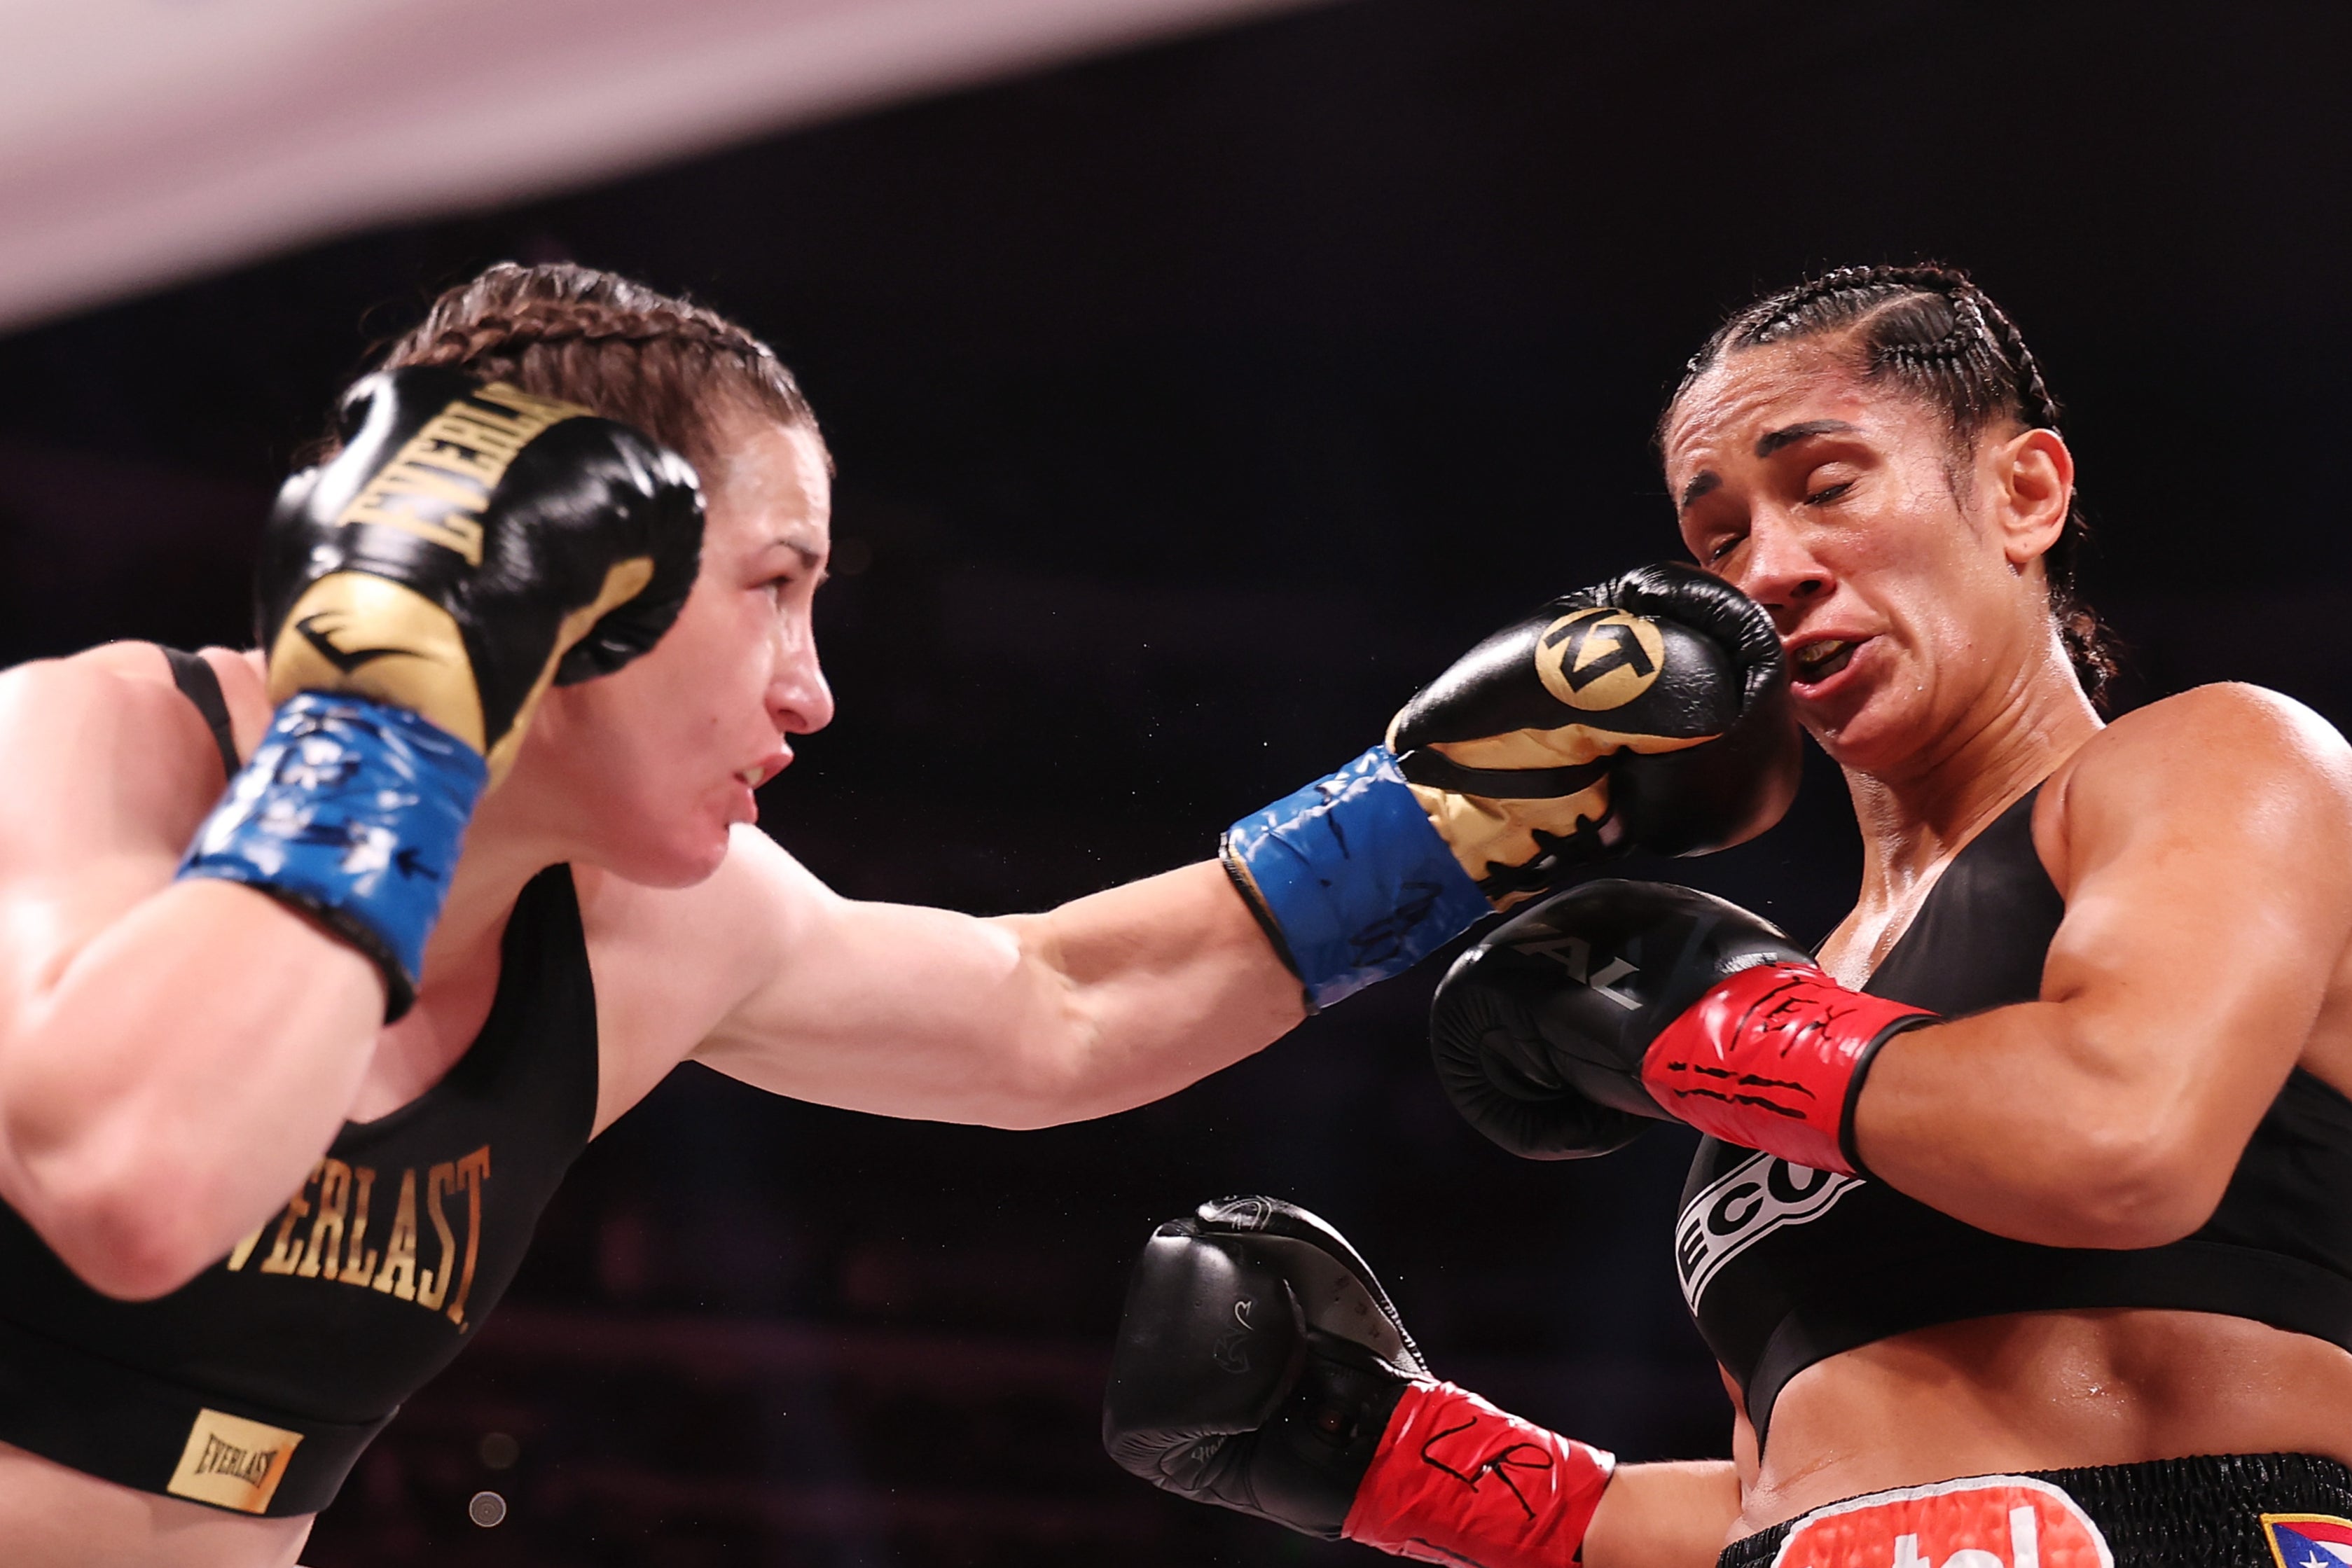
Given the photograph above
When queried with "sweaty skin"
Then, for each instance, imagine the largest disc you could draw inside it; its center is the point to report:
(2203, 846)
(147, 1026)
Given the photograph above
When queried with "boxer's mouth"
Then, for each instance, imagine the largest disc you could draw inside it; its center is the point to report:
(1817, 660)
(758, 773)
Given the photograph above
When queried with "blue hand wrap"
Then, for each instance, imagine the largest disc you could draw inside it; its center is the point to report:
(353, 810)
(1351, 878)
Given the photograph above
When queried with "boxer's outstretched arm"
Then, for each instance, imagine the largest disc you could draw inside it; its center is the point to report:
(2206, 862)
(1110, 1001)
(1501, 787)
(148, 1026)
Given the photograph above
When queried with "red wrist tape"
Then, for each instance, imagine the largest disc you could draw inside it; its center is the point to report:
(1457, 1481)
(1770, 1060)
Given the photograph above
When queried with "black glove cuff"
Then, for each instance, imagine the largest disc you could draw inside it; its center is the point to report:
(1862, 1066)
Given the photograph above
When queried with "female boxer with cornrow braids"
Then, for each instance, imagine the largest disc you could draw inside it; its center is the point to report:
(1937, 334)
(2022, 1228)
(289, 1067)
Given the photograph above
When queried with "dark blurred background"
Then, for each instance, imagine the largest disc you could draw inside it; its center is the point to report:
(1192, 405)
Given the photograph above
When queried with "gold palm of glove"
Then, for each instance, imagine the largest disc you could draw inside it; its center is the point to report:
(1488, 833)
(414, 656)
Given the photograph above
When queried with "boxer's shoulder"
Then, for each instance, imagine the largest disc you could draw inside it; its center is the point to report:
(132, 677)
(113, 711)
(672, 963)
(105, 676)
(735, 914)
(2197, 758)
(2223, 709)
(2214, 723)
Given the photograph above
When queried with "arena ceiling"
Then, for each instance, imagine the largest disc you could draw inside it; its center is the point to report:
(144, 141)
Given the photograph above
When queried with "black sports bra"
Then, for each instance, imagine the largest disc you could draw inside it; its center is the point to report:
(1784, 1266)
(256, 1386)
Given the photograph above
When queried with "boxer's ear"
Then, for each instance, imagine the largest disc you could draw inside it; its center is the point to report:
(2032, 490)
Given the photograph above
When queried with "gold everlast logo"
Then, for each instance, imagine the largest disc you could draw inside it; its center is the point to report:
(231, 1462)
(436, 484)
(1600, 659)
(338, 1200)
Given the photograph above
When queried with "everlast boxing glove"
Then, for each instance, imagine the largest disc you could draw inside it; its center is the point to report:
(1577, 1021)
(1260, 1367)
(416, 596)
(1651, 712)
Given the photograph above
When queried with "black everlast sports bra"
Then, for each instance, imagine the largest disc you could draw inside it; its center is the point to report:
(256, 1386)
(1784, 1266)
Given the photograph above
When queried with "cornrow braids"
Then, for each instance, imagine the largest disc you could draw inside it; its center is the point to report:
(671, 368)
(1930, 331)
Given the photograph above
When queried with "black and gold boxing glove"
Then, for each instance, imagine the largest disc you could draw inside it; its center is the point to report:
(1649, 712)
(468, 546)
(416, 596)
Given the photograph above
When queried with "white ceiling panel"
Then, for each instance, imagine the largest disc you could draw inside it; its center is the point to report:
(141, 141)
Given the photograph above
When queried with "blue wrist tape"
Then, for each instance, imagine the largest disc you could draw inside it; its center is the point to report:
(1351, 879)
(353, 810)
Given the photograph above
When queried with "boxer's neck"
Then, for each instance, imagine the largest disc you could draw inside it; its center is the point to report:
(1916, 819)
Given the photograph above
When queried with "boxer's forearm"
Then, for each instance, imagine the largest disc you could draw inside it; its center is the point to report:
(1664, 1516)
(164, 1090)
(1107, 1002)
(1165, 980)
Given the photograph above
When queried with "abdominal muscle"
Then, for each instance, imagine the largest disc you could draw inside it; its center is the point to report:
(53, 1517)
(2038, 1391)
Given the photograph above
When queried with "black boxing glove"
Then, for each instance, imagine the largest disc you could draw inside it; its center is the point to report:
(1649, 712)
(416, 596)
(1578, 1020)
(1260, 1367)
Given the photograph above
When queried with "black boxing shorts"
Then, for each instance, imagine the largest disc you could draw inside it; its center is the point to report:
(2217, 1510)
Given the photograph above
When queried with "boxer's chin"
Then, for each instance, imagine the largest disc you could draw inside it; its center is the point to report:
(678, 849)
(1871, 724)
(693, 859)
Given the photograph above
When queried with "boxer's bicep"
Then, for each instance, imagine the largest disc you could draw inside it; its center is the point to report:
(2207, 868)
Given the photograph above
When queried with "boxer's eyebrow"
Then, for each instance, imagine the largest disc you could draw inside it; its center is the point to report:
(810, 555)
(1704, 482)
(1771, 441)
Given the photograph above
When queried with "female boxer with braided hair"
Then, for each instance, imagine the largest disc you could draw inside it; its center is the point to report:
(483, 873)
(2023, 1228)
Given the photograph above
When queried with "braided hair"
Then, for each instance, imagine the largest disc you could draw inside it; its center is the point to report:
(1929, 332)
(669, 367)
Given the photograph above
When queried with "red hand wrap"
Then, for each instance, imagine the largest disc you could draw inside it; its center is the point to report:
(1457, 1481)
(1770, 1060)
